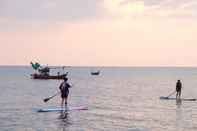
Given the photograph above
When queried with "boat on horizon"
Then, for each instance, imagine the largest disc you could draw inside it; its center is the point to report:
(95, 73)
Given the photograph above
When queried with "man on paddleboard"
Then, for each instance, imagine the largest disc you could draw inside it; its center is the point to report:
(178, 89)
(64, 89)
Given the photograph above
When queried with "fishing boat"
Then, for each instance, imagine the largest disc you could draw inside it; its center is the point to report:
(44, 72)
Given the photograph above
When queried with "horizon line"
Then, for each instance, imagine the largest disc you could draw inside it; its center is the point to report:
(112, 66)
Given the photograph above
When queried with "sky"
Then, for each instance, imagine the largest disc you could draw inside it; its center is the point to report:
(99, 32)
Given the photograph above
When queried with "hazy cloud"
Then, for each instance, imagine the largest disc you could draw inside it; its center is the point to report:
(27, 13)
(57, 10)
(48, 9)
(156, 8)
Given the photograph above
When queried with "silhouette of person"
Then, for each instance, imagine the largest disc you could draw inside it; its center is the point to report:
(64, 88)
(178, 89)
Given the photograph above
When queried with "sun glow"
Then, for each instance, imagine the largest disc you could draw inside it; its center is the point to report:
(123, 7)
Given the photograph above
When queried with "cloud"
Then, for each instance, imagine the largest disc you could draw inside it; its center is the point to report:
(42, 13)
(48, 9)
(74, 10)
(152, 8)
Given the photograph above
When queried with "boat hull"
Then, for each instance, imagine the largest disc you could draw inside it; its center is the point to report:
(45, 77)
(95, 73)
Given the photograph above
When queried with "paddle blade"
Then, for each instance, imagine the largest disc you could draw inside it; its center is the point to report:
(46, 99)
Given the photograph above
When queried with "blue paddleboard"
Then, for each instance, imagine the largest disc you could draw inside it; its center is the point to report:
(58, 109)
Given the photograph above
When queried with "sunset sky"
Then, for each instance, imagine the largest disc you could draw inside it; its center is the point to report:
(99, 32)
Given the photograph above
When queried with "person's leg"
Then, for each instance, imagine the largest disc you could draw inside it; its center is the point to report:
(66, 98)
(176, 95)
(62, 102)
(179, 94)
(66, 101)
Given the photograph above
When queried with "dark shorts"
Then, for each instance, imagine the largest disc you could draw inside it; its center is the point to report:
(178, 89)
(64, 95)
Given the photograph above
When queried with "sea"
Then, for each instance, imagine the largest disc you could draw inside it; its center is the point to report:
(118, 99)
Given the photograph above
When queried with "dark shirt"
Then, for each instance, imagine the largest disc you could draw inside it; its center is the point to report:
(64, 88)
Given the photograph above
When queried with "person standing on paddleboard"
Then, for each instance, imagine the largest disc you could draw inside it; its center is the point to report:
(64, 89)
(178, 89)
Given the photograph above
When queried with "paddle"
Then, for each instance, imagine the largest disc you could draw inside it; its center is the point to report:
(171, 94)
(47, 99)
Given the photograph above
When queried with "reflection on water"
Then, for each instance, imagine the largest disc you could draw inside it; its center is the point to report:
(178, 103)
(179, 117)
(65, 122)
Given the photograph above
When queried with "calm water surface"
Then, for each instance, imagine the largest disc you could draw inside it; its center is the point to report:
(119, 99)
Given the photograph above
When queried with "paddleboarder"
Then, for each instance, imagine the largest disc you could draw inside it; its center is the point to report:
(64, 89)
(178, 89)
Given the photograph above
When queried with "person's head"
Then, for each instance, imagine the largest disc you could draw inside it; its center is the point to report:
(65, 78)
(178, 80)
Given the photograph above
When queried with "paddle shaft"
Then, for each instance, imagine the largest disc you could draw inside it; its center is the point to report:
(171, 93)
(54, 95)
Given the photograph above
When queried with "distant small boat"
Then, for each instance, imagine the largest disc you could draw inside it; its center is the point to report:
(95, 73)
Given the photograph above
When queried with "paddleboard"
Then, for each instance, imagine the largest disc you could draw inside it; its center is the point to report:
(57, 109)
(183, 99)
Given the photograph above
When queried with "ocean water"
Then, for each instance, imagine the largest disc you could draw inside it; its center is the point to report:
(119, 99)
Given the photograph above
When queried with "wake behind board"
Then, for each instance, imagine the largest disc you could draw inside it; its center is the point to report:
(183, 99)
(56, 109)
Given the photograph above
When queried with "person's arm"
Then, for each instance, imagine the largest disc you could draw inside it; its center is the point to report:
(60, 87)
(68, 85)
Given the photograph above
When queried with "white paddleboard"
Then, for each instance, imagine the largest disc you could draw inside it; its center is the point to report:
(58, 109)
